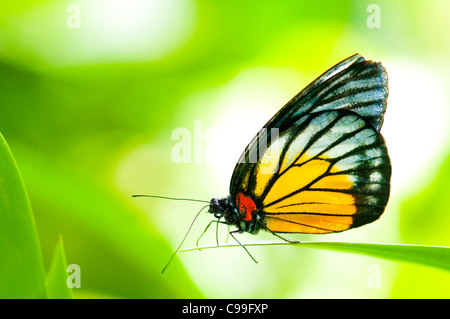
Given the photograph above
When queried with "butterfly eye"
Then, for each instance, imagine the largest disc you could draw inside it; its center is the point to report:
(215, 207)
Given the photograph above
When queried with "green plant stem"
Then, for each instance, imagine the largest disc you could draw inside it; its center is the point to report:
(435, 256)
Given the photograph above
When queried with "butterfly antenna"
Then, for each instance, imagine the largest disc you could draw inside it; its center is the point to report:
(172, 198)
(179, 246)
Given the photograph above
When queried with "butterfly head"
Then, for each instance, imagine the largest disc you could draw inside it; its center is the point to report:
(220, 207)
(235, 214)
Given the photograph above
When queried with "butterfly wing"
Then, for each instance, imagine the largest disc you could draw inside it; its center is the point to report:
(353, 84)
(332, 175)
(320, 164)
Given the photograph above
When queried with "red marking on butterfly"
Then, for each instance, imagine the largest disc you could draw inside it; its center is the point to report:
(246, 206)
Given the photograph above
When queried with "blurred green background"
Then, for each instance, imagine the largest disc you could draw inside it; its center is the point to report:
(92, 91)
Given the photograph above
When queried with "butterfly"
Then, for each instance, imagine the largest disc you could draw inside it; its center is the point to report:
(320, 165)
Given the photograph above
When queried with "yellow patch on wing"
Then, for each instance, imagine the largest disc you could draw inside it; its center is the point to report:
(268, 165)
(317, 208)
(334, 182)
(312, 224)
(308, 196)
(310, 210)
(245, 180)
(296, 178)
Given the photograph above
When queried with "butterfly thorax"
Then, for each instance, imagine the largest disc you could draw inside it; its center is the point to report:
(245, 218)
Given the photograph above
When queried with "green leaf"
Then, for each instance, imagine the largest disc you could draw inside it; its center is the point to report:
(21, 263)
(57, 276)
(93, 217)
(435, 256)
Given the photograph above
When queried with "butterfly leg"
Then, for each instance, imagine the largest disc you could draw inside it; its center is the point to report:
(228, 234)
(287, 239)
(207, 227)
(217, 233)
(281, 237)
(240, 231)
